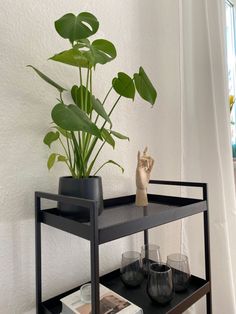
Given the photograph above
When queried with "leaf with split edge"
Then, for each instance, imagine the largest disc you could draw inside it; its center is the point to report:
(78, 100)
(98, 107)
(82, 43)
(72, 118)
(119, 135)
(144, 86)
(108, 138)
(51, 137)
(77, 27)
(47, 79)
(51, 160)
(124, 85)
(72, 57)
(102, 51)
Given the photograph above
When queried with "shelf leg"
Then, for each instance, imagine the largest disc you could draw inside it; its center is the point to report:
(38, 266)
(207, 251)
(146, 240)
(94, 249)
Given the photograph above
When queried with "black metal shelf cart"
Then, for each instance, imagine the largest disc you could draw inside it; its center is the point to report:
(121, 218)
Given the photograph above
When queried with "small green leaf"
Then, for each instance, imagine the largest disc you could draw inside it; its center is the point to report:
(72, 57)
(98, 107)
(72, 118)
(51, 160)
(144, 86)
(47, 79)
(110, 162)
(78, 100)
(116, 164)
(124, 85)
(108, 138)
(65, 133)
(61, 158)
(102, 51)
(77, 27)
(119, 135)
(51, 137)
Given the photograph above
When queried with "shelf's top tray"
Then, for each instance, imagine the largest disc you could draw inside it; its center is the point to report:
(121, 217)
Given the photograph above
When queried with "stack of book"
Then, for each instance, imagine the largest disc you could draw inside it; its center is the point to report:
(110, 303)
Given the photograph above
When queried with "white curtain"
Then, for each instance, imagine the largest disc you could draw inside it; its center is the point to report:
(206, 149)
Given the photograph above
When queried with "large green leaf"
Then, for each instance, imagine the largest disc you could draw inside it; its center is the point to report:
(98, 107)
(51, 160)
(77, 27)
(108, 138)
(72, 57)
(119, 135)
(144, 86)
(72, 118)
(47, 79)
(51, 137)
(78, 94)
(124, 85)
(102, 51)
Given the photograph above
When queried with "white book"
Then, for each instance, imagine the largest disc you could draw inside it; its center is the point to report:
(110, 303)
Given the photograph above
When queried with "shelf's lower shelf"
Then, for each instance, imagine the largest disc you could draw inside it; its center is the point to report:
(181, 302)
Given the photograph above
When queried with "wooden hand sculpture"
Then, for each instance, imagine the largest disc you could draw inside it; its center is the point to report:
(143, 171)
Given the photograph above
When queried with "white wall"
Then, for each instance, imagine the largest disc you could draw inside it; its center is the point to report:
(145, 33)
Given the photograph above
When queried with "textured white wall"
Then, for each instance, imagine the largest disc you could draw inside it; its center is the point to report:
(145, 33)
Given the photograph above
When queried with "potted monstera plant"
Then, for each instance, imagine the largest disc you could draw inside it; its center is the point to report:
(83, 126)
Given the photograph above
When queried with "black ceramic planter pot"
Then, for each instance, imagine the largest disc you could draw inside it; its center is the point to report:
(88, 188)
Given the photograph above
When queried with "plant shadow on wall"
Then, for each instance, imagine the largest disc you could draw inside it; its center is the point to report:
(83, 127)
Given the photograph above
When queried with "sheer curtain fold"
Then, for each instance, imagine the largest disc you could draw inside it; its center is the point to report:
(206, 150)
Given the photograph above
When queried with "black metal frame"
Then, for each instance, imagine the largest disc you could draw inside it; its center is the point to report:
(97, 235)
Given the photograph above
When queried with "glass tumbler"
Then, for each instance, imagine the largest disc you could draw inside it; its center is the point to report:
(150, 253)
(160, 284)
(131, 269)
(181, 272)
(85, 293)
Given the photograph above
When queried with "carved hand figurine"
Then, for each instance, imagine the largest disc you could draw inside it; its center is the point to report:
(143, 171)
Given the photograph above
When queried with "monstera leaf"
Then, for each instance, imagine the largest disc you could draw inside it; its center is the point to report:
(77, 27)
(102, 51)
(72, 57)
(51, 137)
(78, 94)
(47, 79)
(144, 86)
(72, 118)
(98, 107)
(124, 85)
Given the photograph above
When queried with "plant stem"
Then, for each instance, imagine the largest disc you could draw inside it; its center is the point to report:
(96, 139)
(103, 103)
(91, 92)
(89, 136)
(81, 89)
(61, 97)
(68, 146)
(93, 161)
(86, 93)
(69, 165)
(79, 158)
